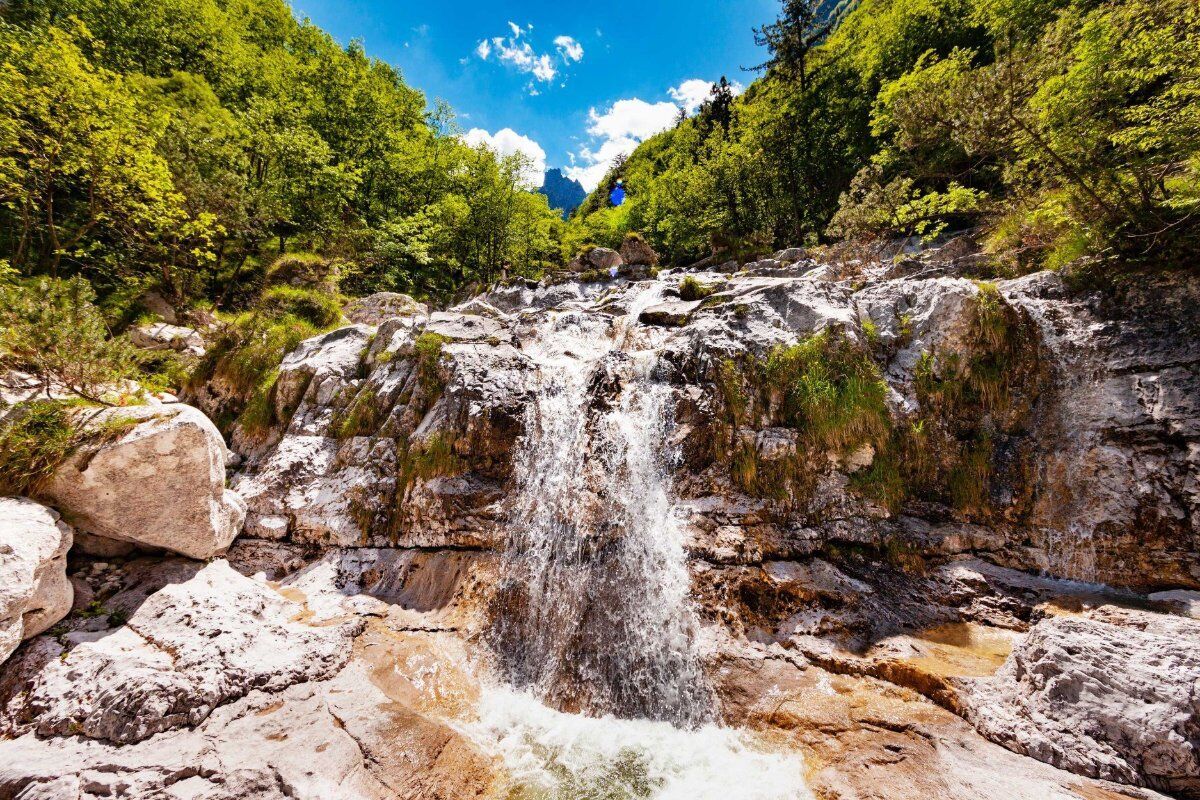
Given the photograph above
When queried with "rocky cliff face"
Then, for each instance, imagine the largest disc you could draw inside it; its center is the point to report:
(880, 515)
(1069, 447)
(562, 192)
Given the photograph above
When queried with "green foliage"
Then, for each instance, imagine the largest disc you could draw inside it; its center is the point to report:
(34, 440)
(361, 418)
(318, 308)
(428, 348)
(1067, 128)
(185, 144)
(245, 357)
(969, 402)
(80, 178)
(830, 390)
(826, 388)
(52, 328)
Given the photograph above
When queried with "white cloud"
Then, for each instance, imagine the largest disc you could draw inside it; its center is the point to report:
(620, 129)
(632, 118)
(543, 68)
(518, 52)
(568, 48)
(694, 91)
(596, 163)
(627, 123)
(507, 142)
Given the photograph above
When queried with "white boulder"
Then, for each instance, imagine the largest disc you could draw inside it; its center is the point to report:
(162, 336)
(1111, 696)
(34, 590)
(159, 482)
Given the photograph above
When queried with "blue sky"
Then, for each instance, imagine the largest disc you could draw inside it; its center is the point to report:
(575, 82)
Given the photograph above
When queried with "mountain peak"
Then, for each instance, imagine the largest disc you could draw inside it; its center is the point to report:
(563, 193)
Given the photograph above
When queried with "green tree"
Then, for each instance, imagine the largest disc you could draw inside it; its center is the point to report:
(82, 180)
(52, 328)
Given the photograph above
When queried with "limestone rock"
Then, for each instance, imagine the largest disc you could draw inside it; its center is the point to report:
(603, 258)
(1110, 696)
(868, 740)
(315, 374)
(635, 250)
(673, 314)
(162, 336)
(34, 590)
(377, 720)
(189, 648)
(156, 303)
(375, 308)
(160, 483)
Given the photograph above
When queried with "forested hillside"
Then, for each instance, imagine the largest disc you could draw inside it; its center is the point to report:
(1064, 128)
(184, 144)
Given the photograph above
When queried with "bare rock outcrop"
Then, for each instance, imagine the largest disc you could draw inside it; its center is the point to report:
(34, 590)
(189, 648)
(375, 308)
(164, 336)
(603, 258)
(155, 478)
(1111, 695)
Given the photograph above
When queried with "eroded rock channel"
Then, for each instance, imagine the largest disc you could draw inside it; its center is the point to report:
(817, 532)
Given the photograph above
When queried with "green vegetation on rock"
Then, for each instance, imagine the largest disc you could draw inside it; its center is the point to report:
(826, 388)
(969, 404)
(34, 440)
(38, 436)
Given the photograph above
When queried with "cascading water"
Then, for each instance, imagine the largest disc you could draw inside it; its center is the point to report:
(593, 614)
(593, 611)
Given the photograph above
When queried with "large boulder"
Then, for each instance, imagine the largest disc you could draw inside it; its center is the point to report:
(191, 647)
(1111, 696)
(635, 250)
(603, 258)
(155, 477)
(34, 590)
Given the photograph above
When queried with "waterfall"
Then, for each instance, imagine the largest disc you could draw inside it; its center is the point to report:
(593, 614)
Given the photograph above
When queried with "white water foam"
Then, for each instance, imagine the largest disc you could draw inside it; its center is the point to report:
(551, 755)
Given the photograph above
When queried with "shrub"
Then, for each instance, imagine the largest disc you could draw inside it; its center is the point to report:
(832, 391)
(827, 388)
(35, 439)
(969, 402)
(53, 329)
(429, 352)
(317, 308)
(302, 270)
